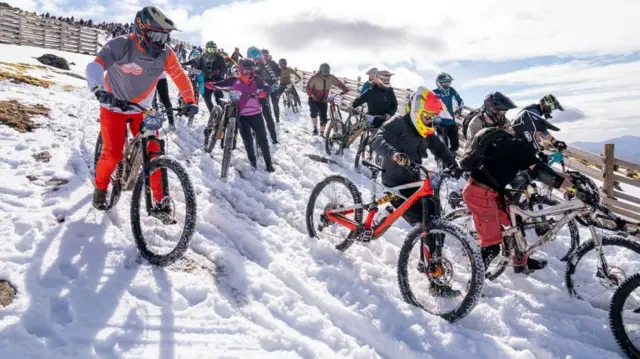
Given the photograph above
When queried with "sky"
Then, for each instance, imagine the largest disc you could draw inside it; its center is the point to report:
(587, 53)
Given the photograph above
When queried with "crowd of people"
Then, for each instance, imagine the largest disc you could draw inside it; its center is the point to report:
(498, 152)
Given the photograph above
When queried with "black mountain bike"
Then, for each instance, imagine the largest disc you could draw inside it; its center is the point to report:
(290, 99)
(128, 177)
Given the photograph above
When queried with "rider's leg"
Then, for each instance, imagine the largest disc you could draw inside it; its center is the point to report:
(314, 110)
(207, 98)
(247, 139)
(156, 176)
(271, 126)
(452, 135)
(163, 93)
(275, 97)
(257, 124)
(113, 128)
(322, 106)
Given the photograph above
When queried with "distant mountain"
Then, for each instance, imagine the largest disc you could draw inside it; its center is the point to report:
(626, 147)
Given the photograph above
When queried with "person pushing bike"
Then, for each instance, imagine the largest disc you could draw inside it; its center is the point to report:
(133, 66)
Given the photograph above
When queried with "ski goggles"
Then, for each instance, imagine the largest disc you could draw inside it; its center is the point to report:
(386, 80)
(445, 84)
(426, 122)
(211, 50)
(158, 37)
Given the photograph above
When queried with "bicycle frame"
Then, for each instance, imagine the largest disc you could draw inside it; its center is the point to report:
(569, 210)
(423, 193)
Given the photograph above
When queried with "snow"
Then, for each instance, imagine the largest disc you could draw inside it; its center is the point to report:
(253, 283)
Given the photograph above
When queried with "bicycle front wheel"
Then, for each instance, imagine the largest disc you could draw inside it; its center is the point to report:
(229, 133)
(427, 269)
(334, 138)
(625, 309)
(177, 217)
(211, 132)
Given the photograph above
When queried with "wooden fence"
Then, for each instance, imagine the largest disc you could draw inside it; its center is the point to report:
(603, 167)
(30, 30)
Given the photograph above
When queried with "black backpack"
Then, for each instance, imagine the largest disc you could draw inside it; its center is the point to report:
(475, 153)
(467, 119)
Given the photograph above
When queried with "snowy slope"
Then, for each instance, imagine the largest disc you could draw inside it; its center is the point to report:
(253, 285)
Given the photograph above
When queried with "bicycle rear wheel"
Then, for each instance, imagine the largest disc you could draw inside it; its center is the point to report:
(146, 246)
(439, 270)
(625, 298)
(229, 133)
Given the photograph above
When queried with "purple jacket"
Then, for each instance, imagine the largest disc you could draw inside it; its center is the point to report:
(247, 105)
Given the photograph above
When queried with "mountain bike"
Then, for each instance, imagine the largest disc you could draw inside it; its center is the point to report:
(338, 133)
(290, 99)
(585, 203)
(224, 126)
(366, 131)
(129, 177)
(433, 262)
(625, 310)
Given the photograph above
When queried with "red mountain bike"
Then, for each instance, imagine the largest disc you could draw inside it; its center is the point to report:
(431, 259)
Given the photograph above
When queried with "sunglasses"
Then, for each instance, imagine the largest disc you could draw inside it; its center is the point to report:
(158, 37)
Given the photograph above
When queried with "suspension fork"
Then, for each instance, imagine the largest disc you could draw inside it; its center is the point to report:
(430, 244)
(146, 171)
(601, 264)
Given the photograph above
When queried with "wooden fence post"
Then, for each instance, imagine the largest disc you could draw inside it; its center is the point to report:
(608, 170)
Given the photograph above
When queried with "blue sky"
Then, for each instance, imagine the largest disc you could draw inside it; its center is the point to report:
(524, 50)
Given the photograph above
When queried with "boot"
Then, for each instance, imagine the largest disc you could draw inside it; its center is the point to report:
(100, 200)
(315, 131)
(270, 168)
(488, 254)
(530, 266)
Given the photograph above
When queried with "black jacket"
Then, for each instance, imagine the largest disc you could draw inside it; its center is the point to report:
(208, 64)
(379, 100)
(504, 159)
(399, 135)
(268, 72)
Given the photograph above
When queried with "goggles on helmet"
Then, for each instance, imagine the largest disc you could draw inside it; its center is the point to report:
(211, 50)
(158, 37)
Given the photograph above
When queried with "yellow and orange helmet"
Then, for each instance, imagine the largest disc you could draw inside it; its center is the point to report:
(424, 106)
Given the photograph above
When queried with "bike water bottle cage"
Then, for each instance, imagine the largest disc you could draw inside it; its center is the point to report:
(153, 121)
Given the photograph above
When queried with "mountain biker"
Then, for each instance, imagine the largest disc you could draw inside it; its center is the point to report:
(162, 89)
(493, 114)
(272, 66)
(250, 109)
(484, 192)
(372, 76)
(213, 69)
(449, 96)
(406, 139)
(133, 65)
(194, 54)
(533, 120)
(236, 55)
(318, 89)
(285, 79)
(379, 97)
(268, 76)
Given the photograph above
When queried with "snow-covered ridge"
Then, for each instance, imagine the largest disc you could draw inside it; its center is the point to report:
(253, 285)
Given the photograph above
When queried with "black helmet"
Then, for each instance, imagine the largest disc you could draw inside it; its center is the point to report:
(152, 28)
(324, 69)
(496, 106)
(282, 63)
(548, 104)
(211, 48)
(265, 52)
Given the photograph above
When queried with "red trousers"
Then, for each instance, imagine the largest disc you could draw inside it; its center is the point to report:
(113, 127)
(487, 216)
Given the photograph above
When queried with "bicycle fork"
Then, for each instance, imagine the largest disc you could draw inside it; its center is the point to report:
(607, 279)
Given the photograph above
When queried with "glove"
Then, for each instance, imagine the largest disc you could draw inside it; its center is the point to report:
(191, 109)
(210, 86)
(543, 157)
(262, 94)
(274, 87)
(560, 145)
(105, 97)
(402, 159)
(455, 171)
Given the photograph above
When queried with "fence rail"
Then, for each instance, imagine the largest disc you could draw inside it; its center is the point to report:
(30, 30)
(606, 168)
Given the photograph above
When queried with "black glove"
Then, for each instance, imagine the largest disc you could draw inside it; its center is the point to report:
(105, 97)
(543, 157)
(560, 145)
(401, 159)
(191, 109)
(455, 172)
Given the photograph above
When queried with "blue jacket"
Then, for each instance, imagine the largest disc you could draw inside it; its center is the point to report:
(365, 87)
(448, 99)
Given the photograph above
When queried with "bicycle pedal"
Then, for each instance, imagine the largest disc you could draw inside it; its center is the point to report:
(366, 235)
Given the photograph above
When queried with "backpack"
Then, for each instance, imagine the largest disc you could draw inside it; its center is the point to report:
(467, 119)
(475, 153)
